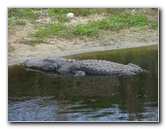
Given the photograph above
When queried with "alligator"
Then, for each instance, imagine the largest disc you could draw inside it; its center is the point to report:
(82, 67)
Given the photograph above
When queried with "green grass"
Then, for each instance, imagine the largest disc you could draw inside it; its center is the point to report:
(22, 13)
(86, 30)
(64, 30)
(33, 42)
(20, 16)
(20, 22)
(60, 13)
(12, 23)
(50, 29)
(115, 20)
(127, 20)
(153, 24)
(94, 28)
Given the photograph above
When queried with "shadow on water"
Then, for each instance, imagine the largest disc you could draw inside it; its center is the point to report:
(33, 96)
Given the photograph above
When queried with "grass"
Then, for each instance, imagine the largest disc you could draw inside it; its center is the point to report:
(20, 16)
(11, 48)
(94, 28)
(64, 30)
(153, 24)
(22, 13)
(115, 20)
(20, 22)
(127, 20)
(33, 42)
(86, 30)
(14, 22)
(60, 13)
(50, 29)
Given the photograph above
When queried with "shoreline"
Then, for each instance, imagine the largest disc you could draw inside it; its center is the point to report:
(84, 50)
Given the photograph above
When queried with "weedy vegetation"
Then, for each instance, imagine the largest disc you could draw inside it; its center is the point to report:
(33, 42)
(22, 13)
(115, 20)
(94, 28)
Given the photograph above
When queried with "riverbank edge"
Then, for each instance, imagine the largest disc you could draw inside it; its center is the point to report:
(80, 51)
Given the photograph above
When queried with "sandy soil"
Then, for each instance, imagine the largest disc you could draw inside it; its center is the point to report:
(55, 46)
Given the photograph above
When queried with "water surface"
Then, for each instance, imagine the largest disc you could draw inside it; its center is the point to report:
(33, 96)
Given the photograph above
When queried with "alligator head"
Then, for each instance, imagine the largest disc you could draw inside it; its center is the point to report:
(42, 64)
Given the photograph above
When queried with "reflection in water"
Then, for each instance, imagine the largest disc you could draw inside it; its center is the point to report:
(37, 97)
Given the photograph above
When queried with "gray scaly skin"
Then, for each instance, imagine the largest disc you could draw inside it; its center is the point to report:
(83, 67)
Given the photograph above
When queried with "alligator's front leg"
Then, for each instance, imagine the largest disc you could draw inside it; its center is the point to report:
(128, 73)
(79, 73)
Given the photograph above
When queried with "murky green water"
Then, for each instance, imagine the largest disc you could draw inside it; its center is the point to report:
(34, 96)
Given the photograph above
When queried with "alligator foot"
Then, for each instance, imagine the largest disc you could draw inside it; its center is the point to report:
(79, 73)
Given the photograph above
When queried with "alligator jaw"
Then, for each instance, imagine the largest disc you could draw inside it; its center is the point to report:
(40, 64)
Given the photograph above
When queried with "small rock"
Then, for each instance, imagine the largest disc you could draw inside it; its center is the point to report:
(70, 15)
(37, 12)
(38, 21)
